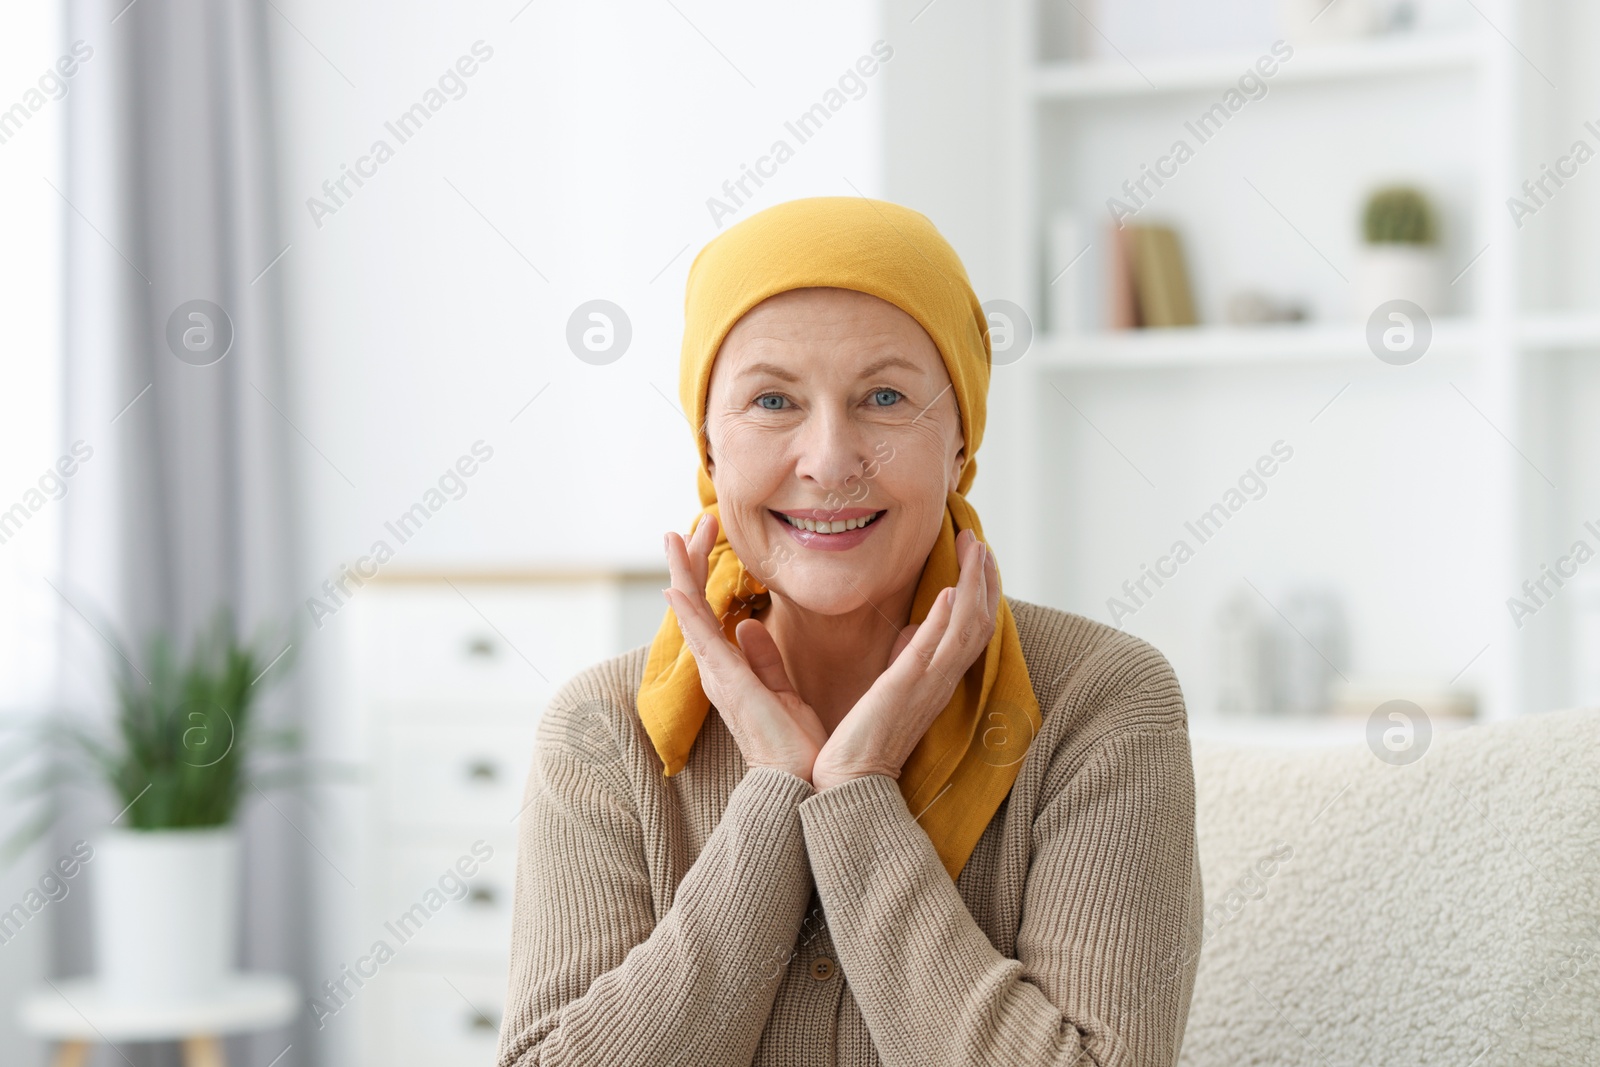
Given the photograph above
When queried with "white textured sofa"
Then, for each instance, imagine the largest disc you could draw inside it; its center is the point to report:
(1443, 912)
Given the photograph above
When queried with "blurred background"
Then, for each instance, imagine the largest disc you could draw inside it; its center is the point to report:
(360, 322)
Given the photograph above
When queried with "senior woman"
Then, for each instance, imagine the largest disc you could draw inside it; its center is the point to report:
(928, 823)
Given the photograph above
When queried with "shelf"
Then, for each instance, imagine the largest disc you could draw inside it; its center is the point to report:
(1446, 109)
(1277, 733)
(1390, 56)
(1237, 345)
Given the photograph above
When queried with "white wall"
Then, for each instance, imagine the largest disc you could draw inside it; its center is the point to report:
(591, 145)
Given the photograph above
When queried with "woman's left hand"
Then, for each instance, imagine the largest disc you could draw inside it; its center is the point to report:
(926, 664)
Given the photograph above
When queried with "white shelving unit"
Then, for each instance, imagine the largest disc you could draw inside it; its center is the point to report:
(1112, 79)
(1426, 494)
(1202, 346)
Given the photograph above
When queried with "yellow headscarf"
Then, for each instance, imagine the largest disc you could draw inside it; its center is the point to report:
(964, 766)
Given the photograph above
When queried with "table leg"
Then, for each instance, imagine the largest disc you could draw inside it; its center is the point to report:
(72, 1054)
(203, 1052)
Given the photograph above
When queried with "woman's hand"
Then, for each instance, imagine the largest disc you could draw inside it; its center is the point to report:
(926, 664)
(746, 683)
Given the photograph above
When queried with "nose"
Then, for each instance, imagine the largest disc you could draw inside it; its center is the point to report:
(832, 451)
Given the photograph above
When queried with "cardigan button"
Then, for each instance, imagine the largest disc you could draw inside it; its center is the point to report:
(822, 968)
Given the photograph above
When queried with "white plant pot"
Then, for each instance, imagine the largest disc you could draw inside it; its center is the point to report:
(1398, 272)
(1322, 22)
(166, 911)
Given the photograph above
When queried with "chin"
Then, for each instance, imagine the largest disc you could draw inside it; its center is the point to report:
(830, 593)
(826, 599)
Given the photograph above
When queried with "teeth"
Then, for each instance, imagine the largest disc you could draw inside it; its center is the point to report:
(836, 526)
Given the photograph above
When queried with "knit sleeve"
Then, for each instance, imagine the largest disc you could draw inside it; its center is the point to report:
(595, 978)
(1106, 949)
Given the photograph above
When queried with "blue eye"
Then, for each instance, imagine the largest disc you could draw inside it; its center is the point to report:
(770, 396)
(892, 392)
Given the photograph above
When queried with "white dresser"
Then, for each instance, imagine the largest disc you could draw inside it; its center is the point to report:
(452, 673)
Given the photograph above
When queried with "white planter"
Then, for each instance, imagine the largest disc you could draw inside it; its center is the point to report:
(166, 911)
(1322, 22)
(1398, 272)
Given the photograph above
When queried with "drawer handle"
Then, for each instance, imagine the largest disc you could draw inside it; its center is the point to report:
(482, 897)
(481, 647)
(482, 771)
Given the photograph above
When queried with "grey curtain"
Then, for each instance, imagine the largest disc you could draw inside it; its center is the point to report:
(169, 181)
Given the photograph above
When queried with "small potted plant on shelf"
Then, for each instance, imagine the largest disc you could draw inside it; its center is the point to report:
(183, 751)
(1400, 260)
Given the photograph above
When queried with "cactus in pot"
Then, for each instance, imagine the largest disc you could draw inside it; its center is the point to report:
(1400, 258)
(1398, 214)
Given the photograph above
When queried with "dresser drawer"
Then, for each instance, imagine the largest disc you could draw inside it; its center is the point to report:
(458, 775)
(475, 913)
(443, 1019)
(432, 643)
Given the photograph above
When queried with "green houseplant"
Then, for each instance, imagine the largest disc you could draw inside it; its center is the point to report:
(1399, 260)
(183, 750)
(183, 747)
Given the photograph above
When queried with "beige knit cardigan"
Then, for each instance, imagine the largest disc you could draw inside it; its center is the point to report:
(737, 916)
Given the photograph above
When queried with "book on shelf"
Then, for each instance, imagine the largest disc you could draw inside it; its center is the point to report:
(1122, 305)
(1151, 260)
(1131, 276)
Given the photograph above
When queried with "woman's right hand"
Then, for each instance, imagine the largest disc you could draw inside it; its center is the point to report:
(747, 682)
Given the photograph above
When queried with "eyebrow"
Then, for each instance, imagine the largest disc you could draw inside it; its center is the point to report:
(866, 372)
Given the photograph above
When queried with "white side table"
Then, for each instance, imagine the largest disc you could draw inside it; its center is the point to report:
(79, 1012)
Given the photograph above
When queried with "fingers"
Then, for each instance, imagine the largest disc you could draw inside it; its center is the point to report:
(925, 636)
(678, 562)
(969, 587)
(761, 653)
(702, 631)
(904, 640)
(689, 560)
(988, 575)
(766, 662)
(694, 621)
(962, 621)
(716, 659)
(700, 545)
(991, 572)
(973, 611)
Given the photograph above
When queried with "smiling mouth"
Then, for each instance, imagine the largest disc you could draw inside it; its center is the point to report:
(835, 526)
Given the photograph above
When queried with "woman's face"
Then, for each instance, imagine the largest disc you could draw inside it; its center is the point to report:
(832, 405)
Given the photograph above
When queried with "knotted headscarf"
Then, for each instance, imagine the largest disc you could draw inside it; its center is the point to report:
(964, 766)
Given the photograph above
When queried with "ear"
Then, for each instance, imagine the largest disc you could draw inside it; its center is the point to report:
(956, 468)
